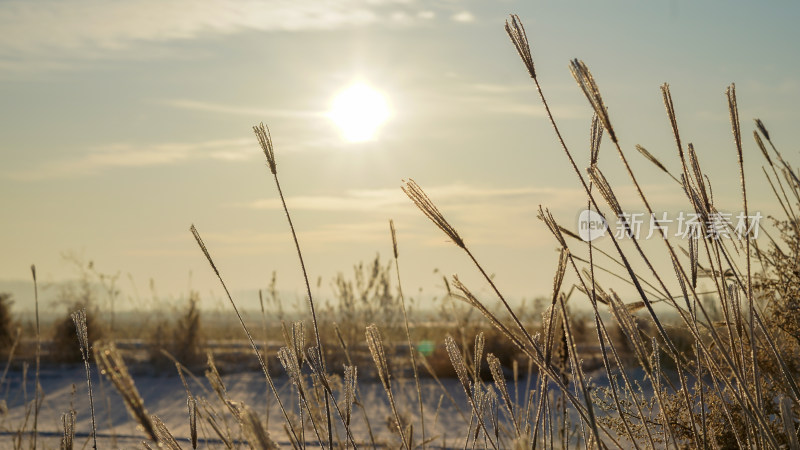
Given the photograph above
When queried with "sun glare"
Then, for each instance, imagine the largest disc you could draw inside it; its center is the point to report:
(358, 111)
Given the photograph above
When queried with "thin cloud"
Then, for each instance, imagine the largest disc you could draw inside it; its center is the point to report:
(463, 17)
(514, 99)
(427, 15)
(42, 25)
(455, 197)
(241, 110)
(94, 28)
(129, 155)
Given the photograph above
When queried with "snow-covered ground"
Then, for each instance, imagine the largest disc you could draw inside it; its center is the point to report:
(165, 397)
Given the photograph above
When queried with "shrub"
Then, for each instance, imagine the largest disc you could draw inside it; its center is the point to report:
(182, 339)
(8, 325)
(65, 347)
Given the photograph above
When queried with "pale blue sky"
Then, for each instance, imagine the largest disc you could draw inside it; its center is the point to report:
(122, 123)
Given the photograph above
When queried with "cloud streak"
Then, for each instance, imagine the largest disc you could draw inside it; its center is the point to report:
(129, 155)
(454, 197)
(193, 105)
(42, 25)
(92, 28)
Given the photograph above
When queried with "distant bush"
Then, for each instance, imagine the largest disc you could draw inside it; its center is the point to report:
(182, 339)
(64, 347)
(8, 325)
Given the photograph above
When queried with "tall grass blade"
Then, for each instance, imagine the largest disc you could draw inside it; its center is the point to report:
(79, 317)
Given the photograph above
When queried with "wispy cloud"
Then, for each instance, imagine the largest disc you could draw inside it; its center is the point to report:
(130, 155)
(469, 97)
(241, 110)
(251, 241)
(454, 196)
(41, 25)
(92, 28)
(463, 17)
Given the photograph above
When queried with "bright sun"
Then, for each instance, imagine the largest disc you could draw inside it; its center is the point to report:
(358, 111)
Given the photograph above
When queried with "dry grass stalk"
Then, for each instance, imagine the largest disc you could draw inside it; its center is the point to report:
(349, 392)
(68, 423)
(253, 345)
(289, 360)
(558, 232)
(480, 343)
(597, 177)
(424, 203)
(211, 418)
(595, 137)
(573, 353)
(586, 81)
(649, 156)
(500, 381)
(471, 389)
(375, 344)
(38, 396)
(265, 140)
(789, 423)
(191, 404)
(357, 394)
(165, 438)
(113, 366)
(735, 126)
(456, 405)
(257, 436)
(79, 317)
(761, 146)
(411, 348)
(516, 31)
(470, 299)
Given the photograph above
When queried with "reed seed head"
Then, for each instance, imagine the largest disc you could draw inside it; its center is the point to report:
(546, 217)
(315, 362)
(563, 257)
(113, 366)
(480, 343)
(68, 422)
(733, 108)
(651, 158)
(605, 189)
(762, 147)
(202, 245)
(589, 87)
(424, 203)
(257, 435)
(762, 128)
(191, 403)
(595, 137)
(79, 317)
(516, 31)
(288, 360)
(265, 140)
(375, 344)
(458, 362)
(394, 237)
(349, 386)
(496, 370)
(165, 438)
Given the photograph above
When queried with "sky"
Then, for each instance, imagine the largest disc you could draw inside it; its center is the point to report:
(123, 123)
